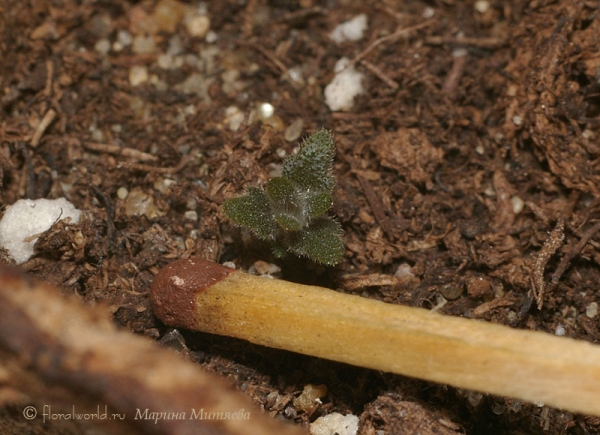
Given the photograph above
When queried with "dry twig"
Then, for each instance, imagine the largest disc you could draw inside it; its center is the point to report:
(388, 39)
(487, 43)
(377, 71)
(121, 151)
(147, 168)
(279, 66)
(41, 128)
(392, 226)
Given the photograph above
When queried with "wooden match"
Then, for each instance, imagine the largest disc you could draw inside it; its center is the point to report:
(527, 365)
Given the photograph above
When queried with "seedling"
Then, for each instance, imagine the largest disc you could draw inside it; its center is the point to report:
(291, 212)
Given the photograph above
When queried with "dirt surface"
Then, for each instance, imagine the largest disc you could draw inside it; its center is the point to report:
(467, 171)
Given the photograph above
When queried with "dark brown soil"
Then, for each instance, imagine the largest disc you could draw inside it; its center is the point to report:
(476, 137)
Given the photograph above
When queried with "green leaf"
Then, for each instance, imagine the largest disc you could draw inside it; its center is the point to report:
(286, 204)
(311, 168)
(281, 191)
(318, 203)
(253, 210)
(290, 212)
(321, 242)
(279, 251)
(288, 222)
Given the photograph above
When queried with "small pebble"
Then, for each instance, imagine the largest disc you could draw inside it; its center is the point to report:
(498, 408)
(99, 26)
(97, 135)
(273, 269)
(124, 38)
(293, 132)
(474, 398)
(165, 61)
(403, 270)
(143, 44)
(451, 291)
(197, 25)
(168, 14)
(482, 6)
(102, 46)
(295, 74)
(234, 118)
(517, 204)
(232, 85)
(140, 203)
(191, 204)
(211, 37)
(195, 84)
(190, 109)
(191, 215)
(265, 113)
(122, 193)
(262, 267)
(459, 52)
(175, 45)
(265, 110)
(428, 12)
(515, 405)
(587, 134)
(592, 310)
(138, 74)
(309, 400)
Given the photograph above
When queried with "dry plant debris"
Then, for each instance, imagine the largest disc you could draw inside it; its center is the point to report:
(554, 242)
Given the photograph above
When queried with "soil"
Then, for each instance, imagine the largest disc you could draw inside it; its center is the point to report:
(467, 171)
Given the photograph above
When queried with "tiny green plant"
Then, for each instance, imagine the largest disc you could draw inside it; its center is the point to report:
(291, 211)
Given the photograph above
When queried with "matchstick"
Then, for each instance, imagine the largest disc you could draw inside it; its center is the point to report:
(527, 365)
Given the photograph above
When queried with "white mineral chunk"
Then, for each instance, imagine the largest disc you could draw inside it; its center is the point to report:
(335, 423)
(27, 218)
(347, 84)
(352, 30)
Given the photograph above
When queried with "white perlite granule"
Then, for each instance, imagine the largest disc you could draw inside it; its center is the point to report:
(27, 218)
(347, 84)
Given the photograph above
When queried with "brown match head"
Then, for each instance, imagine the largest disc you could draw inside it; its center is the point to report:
(174, 289)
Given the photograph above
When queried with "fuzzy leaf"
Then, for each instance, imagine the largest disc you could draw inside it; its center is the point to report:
(281, 191)
(253, 211)
(279, 251)
(318, 203)
(311, 168)
(321, 242)
(288, 222)
(291, 212)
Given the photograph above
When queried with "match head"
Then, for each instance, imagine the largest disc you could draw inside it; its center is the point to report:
(174, 289)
